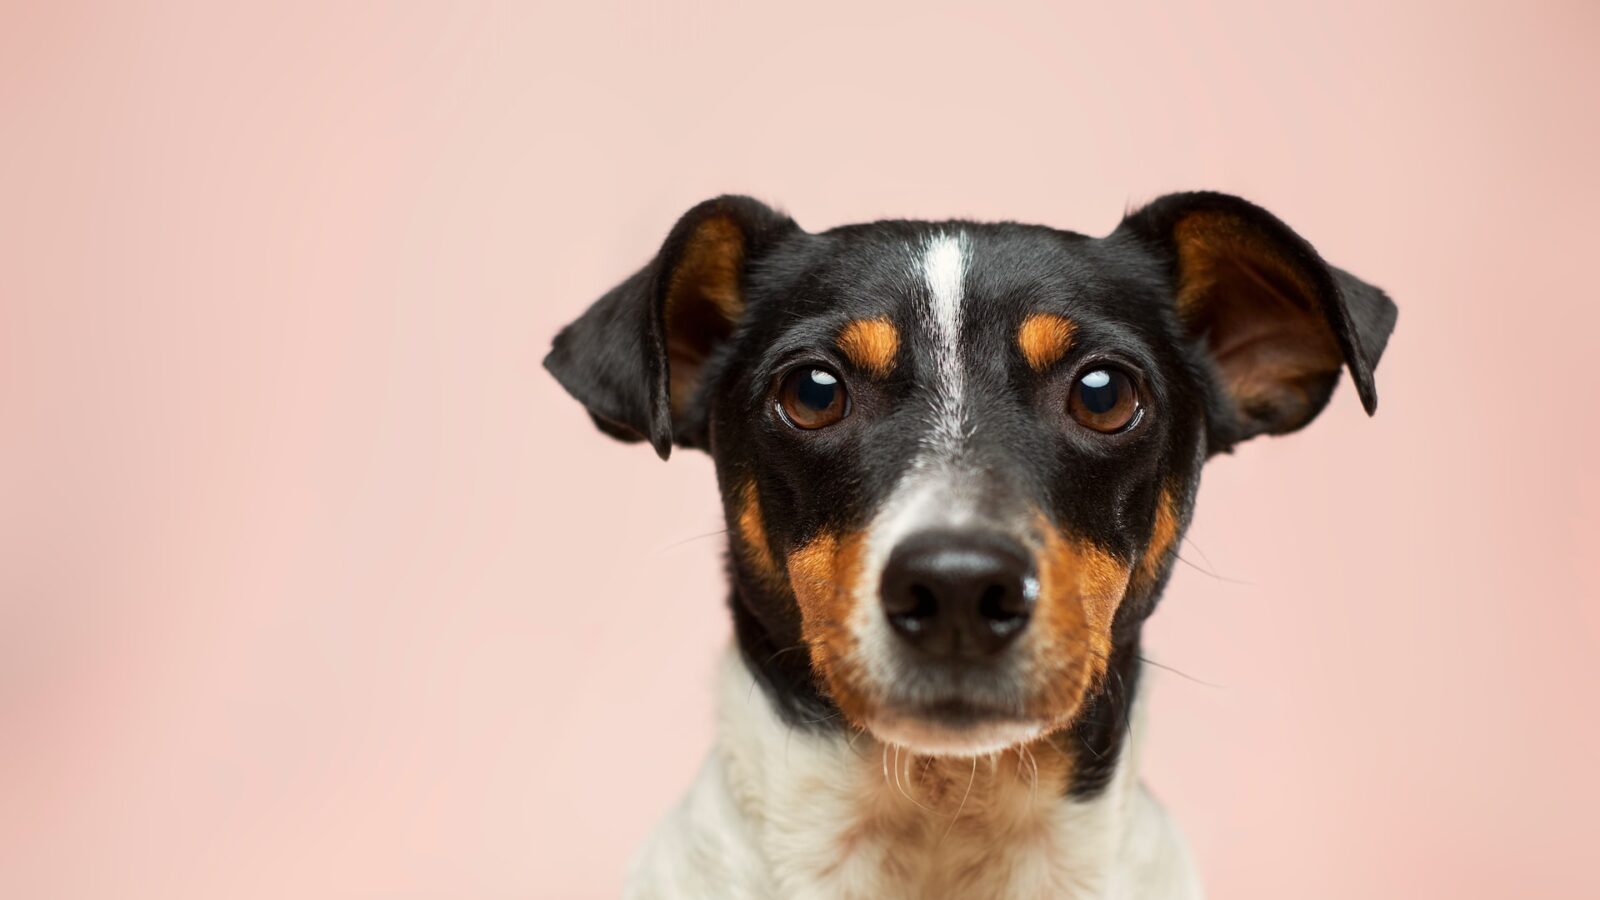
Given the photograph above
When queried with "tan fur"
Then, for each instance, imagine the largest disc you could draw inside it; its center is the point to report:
(780, 811)
(823, 573)
(703, 303)
(942, 826)
(1267, 334)
(1080, 588)
(871, 344)
(1044, 338)
(751, 532)
(1158, 549)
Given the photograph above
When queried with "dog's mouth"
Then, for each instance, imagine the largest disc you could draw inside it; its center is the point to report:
(943, 712)
(953, 727)
(962, 710)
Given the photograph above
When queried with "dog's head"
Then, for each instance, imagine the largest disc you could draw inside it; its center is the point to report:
(956, 458)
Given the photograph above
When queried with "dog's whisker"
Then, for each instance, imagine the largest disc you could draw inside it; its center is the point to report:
(1188, 540)
(1033, 794)
(689, 540)
(851, 741)
(1208, 569)
(963, 804)
(1127, 703)
(1180, 673)
(897, 782)
(789, 649)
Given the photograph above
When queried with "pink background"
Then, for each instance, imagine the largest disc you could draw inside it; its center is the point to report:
(313, 584)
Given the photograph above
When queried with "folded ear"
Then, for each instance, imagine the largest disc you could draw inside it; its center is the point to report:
(636, 357)
(1277, 321)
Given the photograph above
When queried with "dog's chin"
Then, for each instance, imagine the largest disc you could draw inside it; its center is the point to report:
(942, 734)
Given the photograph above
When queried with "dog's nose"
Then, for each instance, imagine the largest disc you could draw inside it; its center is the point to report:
(958, 595)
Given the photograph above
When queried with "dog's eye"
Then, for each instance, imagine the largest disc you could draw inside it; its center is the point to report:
(1105, 400)
(812, 397)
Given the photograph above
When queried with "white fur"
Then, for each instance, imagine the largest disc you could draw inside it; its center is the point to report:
(784, 813)
(943, 267)
(932, 492)
(925, 498)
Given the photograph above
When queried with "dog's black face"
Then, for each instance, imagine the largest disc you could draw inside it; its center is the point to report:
(956, 458)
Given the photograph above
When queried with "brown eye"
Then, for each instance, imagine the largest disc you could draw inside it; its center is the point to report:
(812, 397)
(1104, 400)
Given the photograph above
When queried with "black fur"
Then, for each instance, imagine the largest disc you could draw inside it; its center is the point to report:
(799, 289)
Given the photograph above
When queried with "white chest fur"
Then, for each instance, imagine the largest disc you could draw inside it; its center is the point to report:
(784, 813)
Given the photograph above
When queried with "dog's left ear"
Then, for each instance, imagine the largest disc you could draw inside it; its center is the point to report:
(1278, 322)
(636, 358)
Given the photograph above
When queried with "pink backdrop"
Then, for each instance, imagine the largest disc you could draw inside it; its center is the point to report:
(313, 584)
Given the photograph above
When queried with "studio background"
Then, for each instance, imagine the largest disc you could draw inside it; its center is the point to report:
(314, 584)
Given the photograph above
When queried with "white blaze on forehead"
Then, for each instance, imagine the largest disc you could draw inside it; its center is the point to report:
(936, 490)
(943, 268)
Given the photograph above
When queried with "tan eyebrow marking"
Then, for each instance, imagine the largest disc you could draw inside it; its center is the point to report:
(1044, 338)
(871, 344)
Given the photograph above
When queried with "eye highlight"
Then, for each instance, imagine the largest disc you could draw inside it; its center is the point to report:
(1104, 399)
(812, 397)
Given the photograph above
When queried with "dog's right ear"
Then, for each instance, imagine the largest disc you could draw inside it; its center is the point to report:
(1277, 322)
(636, 357)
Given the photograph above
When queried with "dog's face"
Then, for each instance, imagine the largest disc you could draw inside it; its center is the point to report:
(957, 458)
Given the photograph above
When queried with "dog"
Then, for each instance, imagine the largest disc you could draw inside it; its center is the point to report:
(956, 460)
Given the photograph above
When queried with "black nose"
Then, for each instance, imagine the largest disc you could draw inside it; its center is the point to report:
(958, 595)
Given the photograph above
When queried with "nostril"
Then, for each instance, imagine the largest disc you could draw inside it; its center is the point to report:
(993, 604)
(1003, 608)
(916, 609)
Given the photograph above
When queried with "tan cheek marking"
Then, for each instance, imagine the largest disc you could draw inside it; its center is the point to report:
(1080, 588)
(1102, 582)
(1044, 338)
(871, 344)
(1163, 536)
(811, 572)
(822, 574)
(753, 541)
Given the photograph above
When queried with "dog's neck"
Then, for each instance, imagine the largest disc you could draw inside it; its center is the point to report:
(787, 810)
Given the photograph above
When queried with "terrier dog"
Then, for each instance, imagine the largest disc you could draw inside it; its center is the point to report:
(956, 460)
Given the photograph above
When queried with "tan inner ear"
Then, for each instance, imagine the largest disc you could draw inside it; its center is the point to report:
(1260, 315)
(703, 303)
